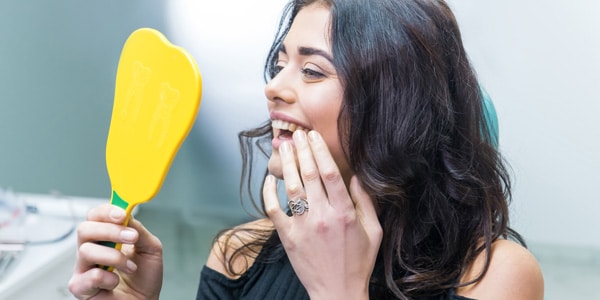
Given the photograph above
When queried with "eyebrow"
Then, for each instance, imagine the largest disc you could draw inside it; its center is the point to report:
(308, 51)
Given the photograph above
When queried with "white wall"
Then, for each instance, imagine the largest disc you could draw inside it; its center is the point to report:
(540, 61)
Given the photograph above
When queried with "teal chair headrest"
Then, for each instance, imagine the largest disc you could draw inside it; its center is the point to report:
(491, 117)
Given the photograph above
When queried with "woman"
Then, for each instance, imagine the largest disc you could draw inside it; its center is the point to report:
(395, 190)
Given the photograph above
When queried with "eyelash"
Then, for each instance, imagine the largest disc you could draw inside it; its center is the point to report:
(311, 74)
(307, 72)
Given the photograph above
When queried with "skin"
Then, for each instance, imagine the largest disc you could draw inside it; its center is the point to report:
(324, 245)
(513, 274)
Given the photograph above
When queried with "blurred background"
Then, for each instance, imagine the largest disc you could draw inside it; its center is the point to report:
(58, 61)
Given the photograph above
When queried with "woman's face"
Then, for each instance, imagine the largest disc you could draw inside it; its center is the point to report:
(306, 94)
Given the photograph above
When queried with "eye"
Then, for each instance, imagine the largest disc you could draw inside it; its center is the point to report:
(311, 74)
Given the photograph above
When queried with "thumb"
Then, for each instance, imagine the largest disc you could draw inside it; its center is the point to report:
(147, 242)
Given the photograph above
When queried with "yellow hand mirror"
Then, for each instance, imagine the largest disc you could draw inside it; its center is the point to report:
(157, 96)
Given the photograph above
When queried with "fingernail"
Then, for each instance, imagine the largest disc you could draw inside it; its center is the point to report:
(300, 135)
(131, 266)
(128, 235)
(269, 179)
(117, 214)
(313, 136)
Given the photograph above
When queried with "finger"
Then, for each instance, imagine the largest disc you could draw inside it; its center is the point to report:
(293, 184)
(90, 283)
(272, 206)
(330, 173)
(93, 231)
(365, 208)
(309, 172)
(104, 223)
(107, 213)
(148, 248)
(90, 255)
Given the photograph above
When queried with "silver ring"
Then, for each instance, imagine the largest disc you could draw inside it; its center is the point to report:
(298, 207)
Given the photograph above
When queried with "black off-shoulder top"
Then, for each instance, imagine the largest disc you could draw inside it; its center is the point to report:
(272, 280)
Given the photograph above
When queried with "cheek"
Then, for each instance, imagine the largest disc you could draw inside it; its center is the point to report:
(324, 119)
(331, 137)
(337, 152)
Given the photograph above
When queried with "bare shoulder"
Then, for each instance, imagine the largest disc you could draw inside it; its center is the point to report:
(514, 273)
(224, 248)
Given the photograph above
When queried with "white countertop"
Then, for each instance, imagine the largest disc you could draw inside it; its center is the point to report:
(44, 267)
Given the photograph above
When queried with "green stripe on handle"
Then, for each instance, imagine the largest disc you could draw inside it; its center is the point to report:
(118, 201)
(115, 200)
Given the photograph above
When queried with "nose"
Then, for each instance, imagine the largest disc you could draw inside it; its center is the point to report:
(280, 87)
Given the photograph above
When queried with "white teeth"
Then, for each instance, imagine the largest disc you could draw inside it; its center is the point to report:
(283, 125)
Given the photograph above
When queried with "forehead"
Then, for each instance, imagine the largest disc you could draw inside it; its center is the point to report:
(310, 27)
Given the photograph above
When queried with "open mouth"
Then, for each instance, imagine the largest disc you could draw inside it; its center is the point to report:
(286, 129)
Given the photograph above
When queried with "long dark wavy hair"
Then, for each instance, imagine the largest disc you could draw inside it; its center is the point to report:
(413, 121)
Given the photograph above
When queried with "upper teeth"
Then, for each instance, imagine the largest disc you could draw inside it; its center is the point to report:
(283, 125)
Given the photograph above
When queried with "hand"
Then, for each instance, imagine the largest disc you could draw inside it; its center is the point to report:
(138, 265)
(333, 246)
